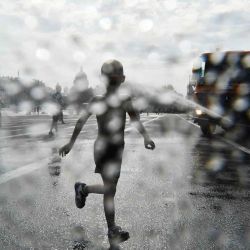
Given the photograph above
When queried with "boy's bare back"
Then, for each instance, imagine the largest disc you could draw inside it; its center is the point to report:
(110, 111)
(111, 122)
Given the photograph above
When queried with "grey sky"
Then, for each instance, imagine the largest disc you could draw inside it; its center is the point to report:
(155, 39)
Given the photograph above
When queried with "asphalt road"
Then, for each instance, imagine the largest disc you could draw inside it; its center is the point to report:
(191, 192)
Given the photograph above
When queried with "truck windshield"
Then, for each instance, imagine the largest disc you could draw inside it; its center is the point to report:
(230, 67)
(198, 71)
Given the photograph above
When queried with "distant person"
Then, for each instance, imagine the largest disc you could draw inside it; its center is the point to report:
(38, 110)
(1, 105)
(110, 111)
(61, 117)
(58, 99)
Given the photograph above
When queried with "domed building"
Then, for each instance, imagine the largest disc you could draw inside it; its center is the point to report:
(81, 82)
(80, 93)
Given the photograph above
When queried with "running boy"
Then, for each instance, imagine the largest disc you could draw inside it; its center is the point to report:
(110, 111)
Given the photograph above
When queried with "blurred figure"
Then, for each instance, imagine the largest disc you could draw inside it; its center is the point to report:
(110, 111)
(61, 117)
(36, 110)
(58, 99)
(1, 105)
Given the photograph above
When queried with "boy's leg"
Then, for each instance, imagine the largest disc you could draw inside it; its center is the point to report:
(108, 199)
(108, 190)
(82, 191)
(115, 234)
(95, 189)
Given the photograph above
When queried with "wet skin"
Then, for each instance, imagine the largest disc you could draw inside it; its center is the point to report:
(111, 122)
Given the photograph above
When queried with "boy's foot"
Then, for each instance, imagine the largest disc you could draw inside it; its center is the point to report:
(80, 194)
(116, 235)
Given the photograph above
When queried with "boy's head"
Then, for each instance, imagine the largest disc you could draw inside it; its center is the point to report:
(113, 71)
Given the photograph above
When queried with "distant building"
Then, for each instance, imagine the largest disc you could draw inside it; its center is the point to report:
(81, 82)
(80, 93)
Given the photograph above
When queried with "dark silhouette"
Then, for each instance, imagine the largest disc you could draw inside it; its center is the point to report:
(61, 117)
(58, 99)
(110, 111)
(1, 105)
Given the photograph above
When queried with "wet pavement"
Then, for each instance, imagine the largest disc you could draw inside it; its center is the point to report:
(191, 192)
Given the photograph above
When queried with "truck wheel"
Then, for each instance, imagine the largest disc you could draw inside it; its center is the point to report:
(208, 129)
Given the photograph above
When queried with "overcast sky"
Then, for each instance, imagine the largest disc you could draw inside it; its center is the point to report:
(156, 40)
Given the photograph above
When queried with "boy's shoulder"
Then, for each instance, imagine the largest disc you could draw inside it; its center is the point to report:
(124, 94)
(112, 101)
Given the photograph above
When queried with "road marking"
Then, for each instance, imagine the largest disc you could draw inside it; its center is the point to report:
(32, 135)
(146, 122)
(236, 145)
(23, 124)
(28, 134)
(197, 126)
(41, 163)
(85, 125)
(12, 130)
(232, 143)
(20, 135)
(15, 126)
(22, 170)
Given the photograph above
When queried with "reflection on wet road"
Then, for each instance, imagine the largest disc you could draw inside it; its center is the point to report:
(218, 163)
(190, 193)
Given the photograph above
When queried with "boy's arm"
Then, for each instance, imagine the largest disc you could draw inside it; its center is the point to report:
(135, 119)
(78, 127)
